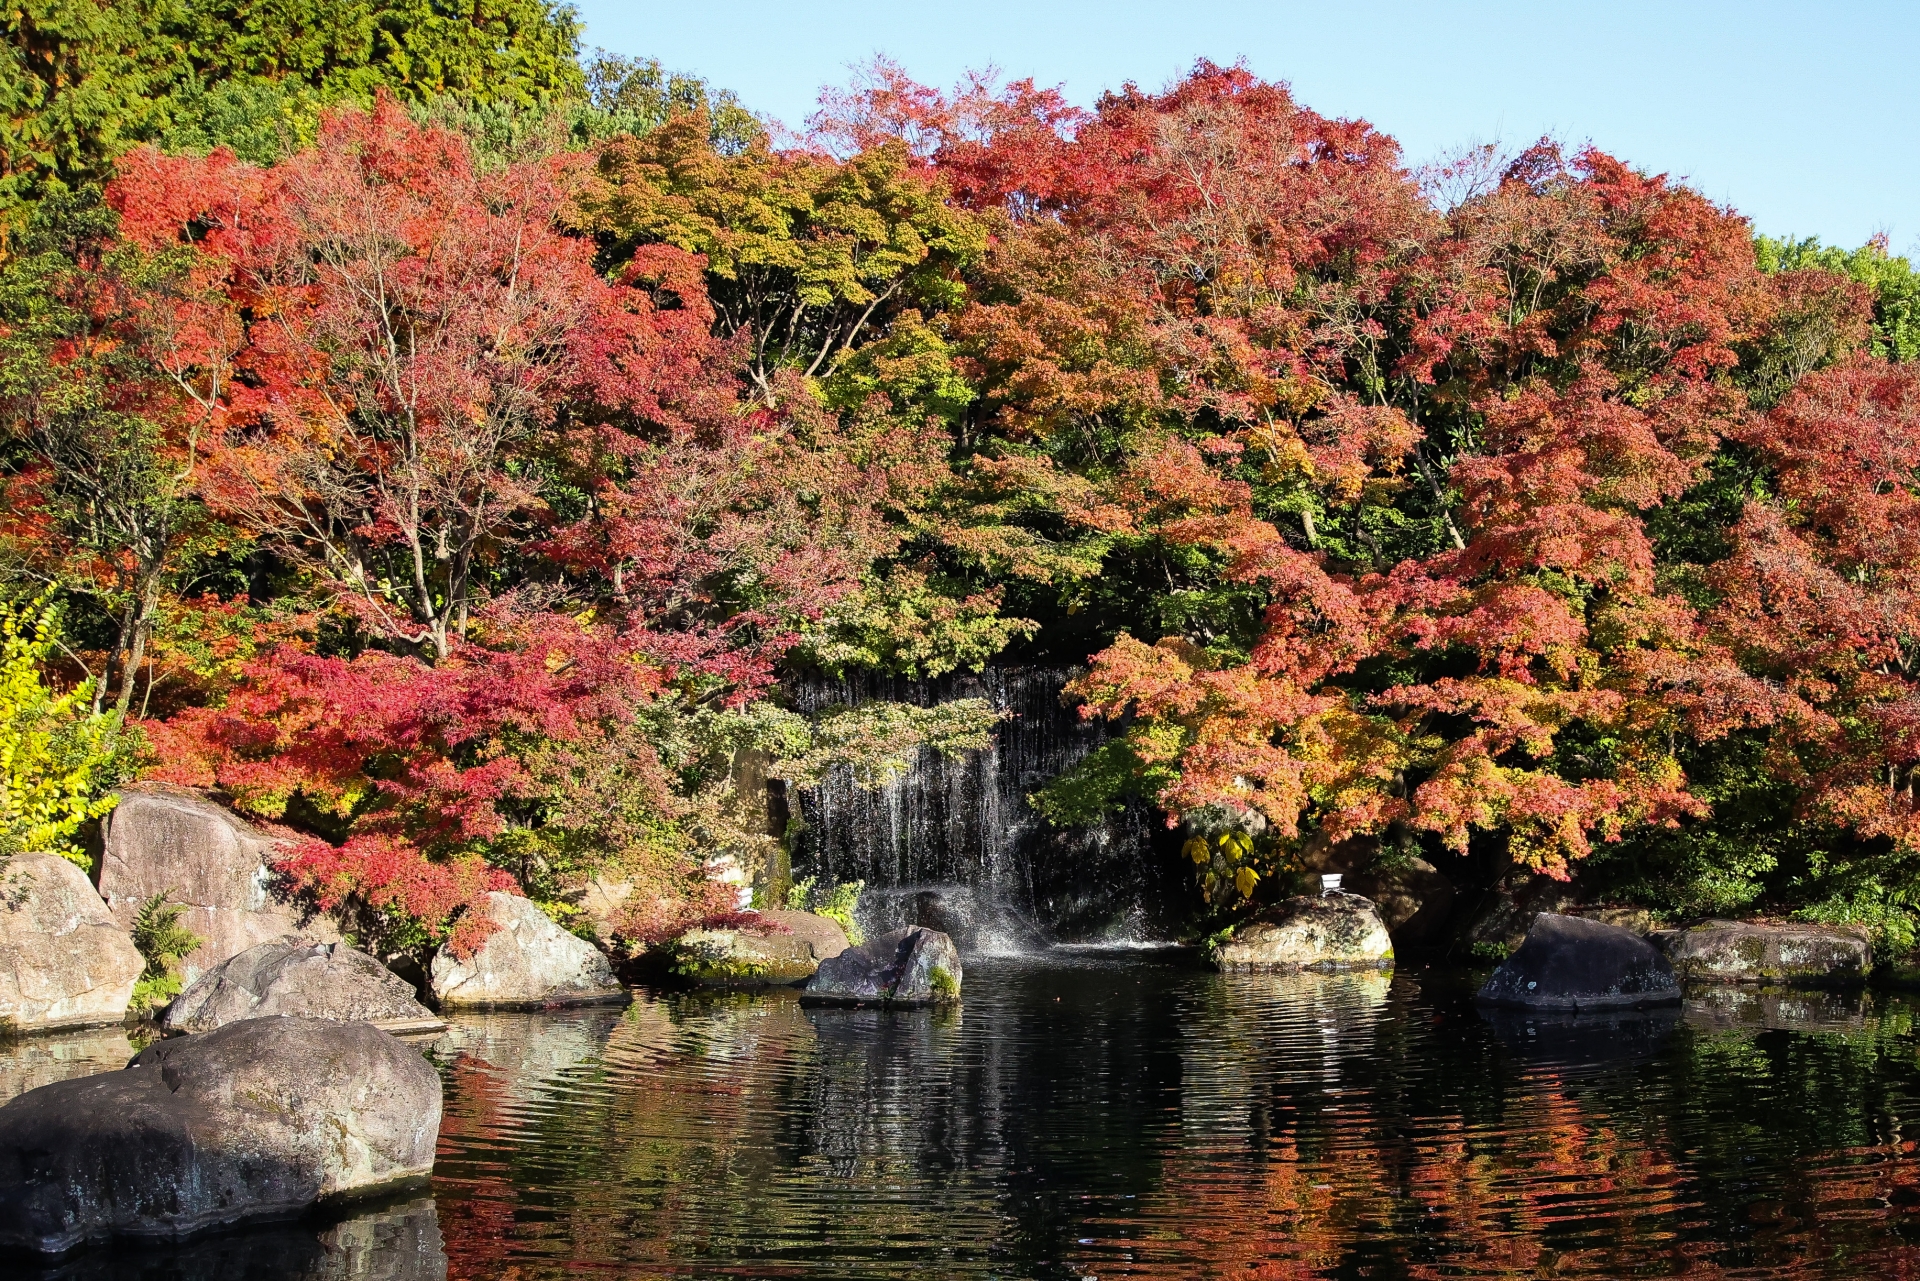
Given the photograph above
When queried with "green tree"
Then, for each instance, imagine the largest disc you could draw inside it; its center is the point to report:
(1895, 285)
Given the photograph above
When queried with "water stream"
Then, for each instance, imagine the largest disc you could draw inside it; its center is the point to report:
(1107, 1115)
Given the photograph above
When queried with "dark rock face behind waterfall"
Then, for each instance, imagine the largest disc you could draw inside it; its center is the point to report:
(954, 845)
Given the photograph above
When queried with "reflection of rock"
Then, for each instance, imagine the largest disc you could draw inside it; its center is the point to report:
(169, 841)
(391, 1243)
(1726, 1006)
(321, 980)
(34, 1061)
(1792, 955)
(63, 961)
(1569, 1039)
(914, 966)
(1567, 963)
(261, 1118)
(740, 958)
(1331, 932)
(527, 962)
(529, 1048)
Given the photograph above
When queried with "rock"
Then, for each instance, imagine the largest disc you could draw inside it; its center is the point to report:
(913, 966)
(320, 980)
(168, 840)
(1413, 898)
(1335, 931)
(529, 961)
(261, 1118)
(63, 961)
(1569, 963)
(1791, 955)
(1510, 908)
(604, 901)
(742, 959)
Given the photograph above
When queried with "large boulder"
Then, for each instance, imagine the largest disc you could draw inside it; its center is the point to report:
(1792, 955)
(527, 962)
(320, 980)
(789, 952)
(913, 966)
(200, 855)
(63, 960)
(1570, 963)
(260, 1119)
(1330, 932)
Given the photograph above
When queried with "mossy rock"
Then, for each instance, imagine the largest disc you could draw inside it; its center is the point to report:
(790, 951)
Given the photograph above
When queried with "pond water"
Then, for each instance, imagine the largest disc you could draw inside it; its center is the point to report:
(1117, 1115)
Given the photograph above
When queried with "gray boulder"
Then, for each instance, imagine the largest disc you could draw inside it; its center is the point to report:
(1570, 963)
(1413, 898)
(527, 962)
(1791, 955)
(320, 980)
(791, 952)
(63, 961)
(1329, 932)
(170, 841)
(913, 966)
(260, 1119)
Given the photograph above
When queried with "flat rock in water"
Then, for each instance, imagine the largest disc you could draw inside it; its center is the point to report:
(526, 963)
(260, 1119)
(913, 966)
(1791, 955)
(63, 960)
(790, 952)
(320, 980)
(206, 858)
(1571, 963)
(1329, 932)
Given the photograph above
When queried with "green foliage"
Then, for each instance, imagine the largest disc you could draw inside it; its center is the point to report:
(943, 982)
(163, 942)
(58, 757)
(837, 903)
(1895, 285)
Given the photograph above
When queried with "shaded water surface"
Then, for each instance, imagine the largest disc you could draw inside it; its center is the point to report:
(1109, 1116)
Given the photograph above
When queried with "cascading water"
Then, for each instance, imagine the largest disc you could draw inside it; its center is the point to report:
(954, 844)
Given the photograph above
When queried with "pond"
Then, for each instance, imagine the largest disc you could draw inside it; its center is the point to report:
(1106, 1115)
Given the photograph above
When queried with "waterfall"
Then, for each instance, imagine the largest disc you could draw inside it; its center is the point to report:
(953, 843)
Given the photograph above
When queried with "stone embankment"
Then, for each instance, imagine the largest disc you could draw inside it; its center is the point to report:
(1792, 954)
(260, 1119)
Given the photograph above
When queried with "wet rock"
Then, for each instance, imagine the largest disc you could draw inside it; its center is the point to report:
(259, 1119)
(170, 841)
(528, 961)
(321, 980)
(63, 960)
(790, 953)
(1791, 955)
(1729, 1007)
(1330, 932)
(1569, 963)
(914, 966)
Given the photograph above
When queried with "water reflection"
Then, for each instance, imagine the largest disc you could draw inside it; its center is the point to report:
(1101, 1115)
(29, 1062)
(387, 1242)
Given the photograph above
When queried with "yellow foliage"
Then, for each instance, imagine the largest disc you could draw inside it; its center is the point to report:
(55, 750)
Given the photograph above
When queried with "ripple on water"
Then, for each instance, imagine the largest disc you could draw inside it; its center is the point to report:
(1116, 1115)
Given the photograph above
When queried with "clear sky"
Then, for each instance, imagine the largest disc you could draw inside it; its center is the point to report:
(1805, 117)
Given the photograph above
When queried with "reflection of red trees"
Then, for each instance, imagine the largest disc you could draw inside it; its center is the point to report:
(1555, 1190)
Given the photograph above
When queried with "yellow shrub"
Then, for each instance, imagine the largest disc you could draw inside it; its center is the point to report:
(56, 753)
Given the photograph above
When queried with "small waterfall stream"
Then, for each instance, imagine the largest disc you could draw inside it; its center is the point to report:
(952, 843)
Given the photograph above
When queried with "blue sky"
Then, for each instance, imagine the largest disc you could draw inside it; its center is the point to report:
(1805, 117)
